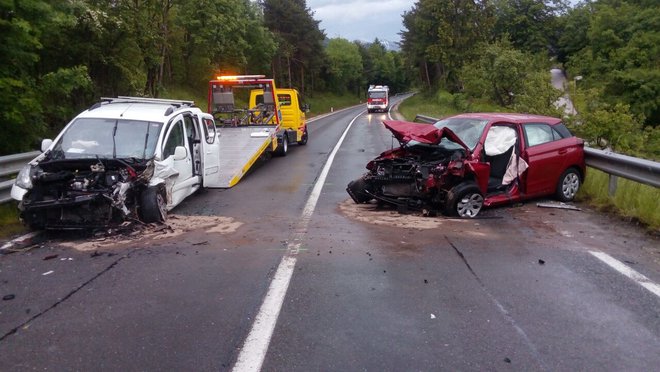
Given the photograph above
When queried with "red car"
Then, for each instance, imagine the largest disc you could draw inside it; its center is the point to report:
(465, 162)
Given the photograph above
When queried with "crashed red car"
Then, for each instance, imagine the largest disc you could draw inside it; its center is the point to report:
(465, 162)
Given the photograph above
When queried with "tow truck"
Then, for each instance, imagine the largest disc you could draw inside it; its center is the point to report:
(271, 120)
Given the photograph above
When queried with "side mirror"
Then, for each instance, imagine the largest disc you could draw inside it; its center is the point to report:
(305, 107)
(45, 144)
(180, 153)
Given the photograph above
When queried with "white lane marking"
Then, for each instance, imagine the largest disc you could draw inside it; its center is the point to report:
(255, 347)
(630, 273)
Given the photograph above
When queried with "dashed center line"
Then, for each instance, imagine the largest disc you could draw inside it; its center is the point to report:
(253, 353)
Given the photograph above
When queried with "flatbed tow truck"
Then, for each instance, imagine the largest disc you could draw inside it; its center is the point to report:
(273, 119)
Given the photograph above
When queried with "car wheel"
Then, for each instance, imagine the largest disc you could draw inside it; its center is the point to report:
(464, 200)
(303, 139)
(153, 205)
(356, 189)
(568, 185)
(284, 147)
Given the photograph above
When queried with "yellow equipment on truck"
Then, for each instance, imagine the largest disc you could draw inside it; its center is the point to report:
(272, 119)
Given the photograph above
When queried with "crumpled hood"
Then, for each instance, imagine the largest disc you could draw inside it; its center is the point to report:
(406, 131)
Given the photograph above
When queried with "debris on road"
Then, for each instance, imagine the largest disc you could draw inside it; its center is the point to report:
(8, 297)
(50, 257)
(48, 272)
(541, 262)
(558, 206)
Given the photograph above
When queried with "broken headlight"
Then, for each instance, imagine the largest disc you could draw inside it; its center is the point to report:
(24, 179)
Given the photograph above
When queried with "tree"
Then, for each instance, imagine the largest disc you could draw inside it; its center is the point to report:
(531, 25)
(344, 64)
(300, 41)
(622, 55)
(440, 37)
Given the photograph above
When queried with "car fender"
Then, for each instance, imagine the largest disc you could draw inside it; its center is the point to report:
(480, 171)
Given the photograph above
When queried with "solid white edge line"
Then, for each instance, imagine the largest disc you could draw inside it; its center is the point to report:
(630, 273)
(255, 347)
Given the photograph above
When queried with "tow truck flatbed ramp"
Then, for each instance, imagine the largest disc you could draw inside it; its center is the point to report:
(240, 147)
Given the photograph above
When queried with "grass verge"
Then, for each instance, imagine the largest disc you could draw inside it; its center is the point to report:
(10, 225)
(321, 103)
(632, 200)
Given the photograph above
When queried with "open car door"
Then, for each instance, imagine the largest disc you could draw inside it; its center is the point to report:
(211, 151)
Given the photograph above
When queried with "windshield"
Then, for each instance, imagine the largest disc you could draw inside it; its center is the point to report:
(467, 129)
(108, 138)
(377, 95)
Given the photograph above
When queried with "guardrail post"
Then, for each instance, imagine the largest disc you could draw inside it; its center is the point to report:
(611, 189)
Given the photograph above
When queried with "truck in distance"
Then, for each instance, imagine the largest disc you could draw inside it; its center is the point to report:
(378, 98)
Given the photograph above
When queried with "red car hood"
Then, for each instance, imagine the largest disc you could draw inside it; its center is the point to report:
(406, 131)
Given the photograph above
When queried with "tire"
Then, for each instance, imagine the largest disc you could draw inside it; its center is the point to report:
(568, 185)
(356, 189)
(153, 205)
(369, 111)
(284, 148)
(464, 200)
(304, 138)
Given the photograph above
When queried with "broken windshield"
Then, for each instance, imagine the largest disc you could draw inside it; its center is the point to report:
(469, 130)
(108, 138)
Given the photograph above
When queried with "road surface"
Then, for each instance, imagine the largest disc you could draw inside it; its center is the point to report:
(335, 286)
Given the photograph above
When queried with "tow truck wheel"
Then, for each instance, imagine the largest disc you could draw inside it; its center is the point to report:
(153, 205)
(284, 147)
(464, 200)
(303, 139)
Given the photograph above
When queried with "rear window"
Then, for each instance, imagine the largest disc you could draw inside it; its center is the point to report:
(562, 130)
(536, 134)
(285, 99)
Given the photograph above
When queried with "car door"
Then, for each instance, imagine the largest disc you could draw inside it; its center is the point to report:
(544, 153)
(183, 184)
(211, 151)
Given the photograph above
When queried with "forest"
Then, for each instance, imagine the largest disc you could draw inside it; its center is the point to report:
(57, 57)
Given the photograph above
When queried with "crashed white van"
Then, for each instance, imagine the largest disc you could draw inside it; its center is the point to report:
(123, 158)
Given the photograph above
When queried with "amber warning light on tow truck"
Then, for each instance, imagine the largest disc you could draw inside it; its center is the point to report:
(240, 77)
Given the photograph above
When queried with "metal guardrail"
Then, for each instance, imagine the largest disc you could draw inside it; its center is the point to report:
(10, 165)
(616, 165)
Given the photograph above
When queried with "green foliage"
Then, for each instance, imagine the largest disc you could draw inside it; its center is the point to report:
(538, 96)
(621, 54)
(58, 89)
(298, 57)
(344, 63)
(10, 224)
(612, 126)
(512, 78)
(530, 24)
(441, 36)
(58, 57)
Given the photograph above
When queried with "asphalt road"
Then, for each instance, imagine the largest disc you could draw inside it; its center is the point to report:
(361, 288)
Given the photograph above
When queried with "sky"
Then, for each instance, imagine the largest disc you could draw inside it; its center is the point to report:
(363, 20)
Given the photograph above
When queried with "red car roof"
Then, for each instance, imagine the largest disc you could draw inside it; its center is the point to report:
(509, 117)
